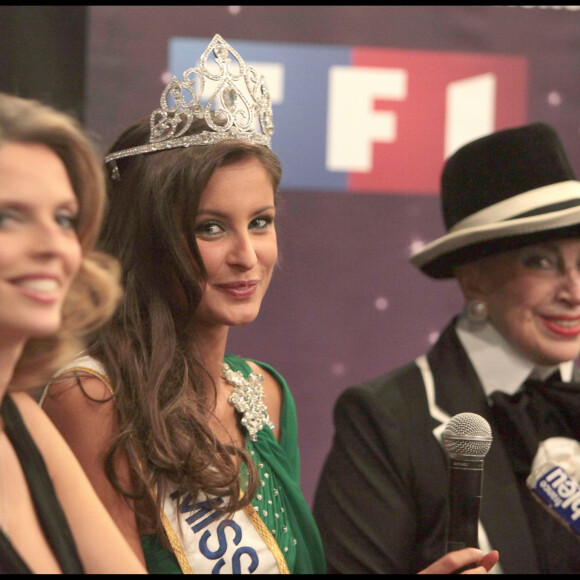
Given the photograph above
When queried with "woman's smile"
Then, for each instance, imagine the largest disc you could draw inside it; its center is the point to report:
(240, 290)
(566, 326)
(236, 238)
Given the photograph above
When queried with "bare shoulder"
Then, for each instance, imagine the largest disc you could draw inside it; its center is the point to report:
(78, 400)
(50, 443)
(32, 415)
(62, 466)
(74, 384)
(273, 397)
(102, 547)
(82, 408)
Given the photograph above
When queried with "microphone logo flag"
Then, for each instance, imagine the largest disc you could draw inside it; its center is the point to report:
(558, 492)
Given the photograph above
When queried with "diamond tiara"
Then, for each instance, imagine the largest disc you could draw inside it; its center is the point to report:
(239, 108)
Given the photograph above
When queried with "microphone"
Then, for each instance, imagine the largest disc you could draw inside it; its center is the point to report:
(467, 439)
(552, 484)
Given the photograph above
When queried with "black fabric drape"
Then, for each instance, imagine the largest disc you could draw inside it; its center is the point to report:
(542, 409)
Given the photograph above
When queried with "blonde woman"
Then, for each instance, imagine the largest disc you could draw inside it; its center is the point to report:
(53, 290)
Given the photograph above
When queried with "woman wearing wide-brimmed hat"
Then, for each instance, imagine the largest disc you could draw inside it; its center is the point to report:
(511, 206)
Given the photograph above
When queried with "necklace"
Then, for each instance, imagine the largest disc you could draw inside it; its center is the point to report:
(247, 399)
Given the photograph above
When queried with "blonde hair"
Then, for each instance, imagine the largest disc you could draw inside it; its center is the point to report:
(95, 292)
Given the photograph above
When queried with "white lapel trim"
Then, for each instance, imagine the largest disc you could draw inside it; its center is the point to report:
(440, 415)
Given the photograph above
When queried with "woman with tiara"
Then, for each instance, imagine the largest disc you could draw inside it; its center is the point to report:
(193, 450)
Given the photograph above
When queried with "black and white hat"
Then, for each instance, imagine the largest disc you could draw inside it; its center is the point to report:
(506, 190)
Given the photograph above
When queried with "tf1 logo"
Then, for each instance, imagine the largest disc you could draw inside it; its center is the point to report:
(376, 120)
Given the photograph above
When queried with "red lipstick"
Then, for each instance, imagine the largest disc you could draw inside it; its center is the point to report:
(563, 325)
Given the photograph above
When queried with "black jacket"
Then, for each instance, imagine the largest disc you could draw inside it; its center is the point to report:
(382, 496)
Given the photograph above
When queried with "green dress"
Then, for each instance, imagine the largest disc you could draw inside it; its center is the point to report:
(279, 501)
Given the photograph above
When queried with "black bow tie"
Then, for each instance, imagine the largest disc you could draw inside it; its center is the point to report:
(541, 409)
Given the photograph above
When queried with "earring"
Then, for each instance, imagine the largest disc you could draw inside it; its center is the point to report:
(477, 310)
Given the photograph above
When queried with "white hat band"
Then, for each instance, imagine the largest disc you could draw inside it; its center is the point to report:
(522, 203)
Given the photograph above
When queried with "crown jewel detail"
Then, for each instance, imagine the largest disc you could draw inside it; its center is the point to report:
(239, 108)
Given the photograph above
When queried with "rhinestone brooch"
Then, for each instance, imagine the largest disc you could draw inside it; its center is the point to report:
(247, 399)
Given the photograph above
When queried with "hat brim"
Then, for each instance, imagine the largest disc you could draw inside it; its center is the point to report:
(439, 258)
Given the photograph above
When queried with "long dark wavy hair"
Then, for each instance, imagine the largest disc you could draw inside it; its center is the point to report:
(148, 348)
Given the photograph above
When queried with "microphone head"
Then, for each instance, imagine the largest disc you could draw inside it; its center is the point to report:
(467, 435)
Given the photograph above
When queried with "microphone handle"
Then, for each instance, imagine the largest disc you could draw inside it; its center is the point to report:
(465, 487)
